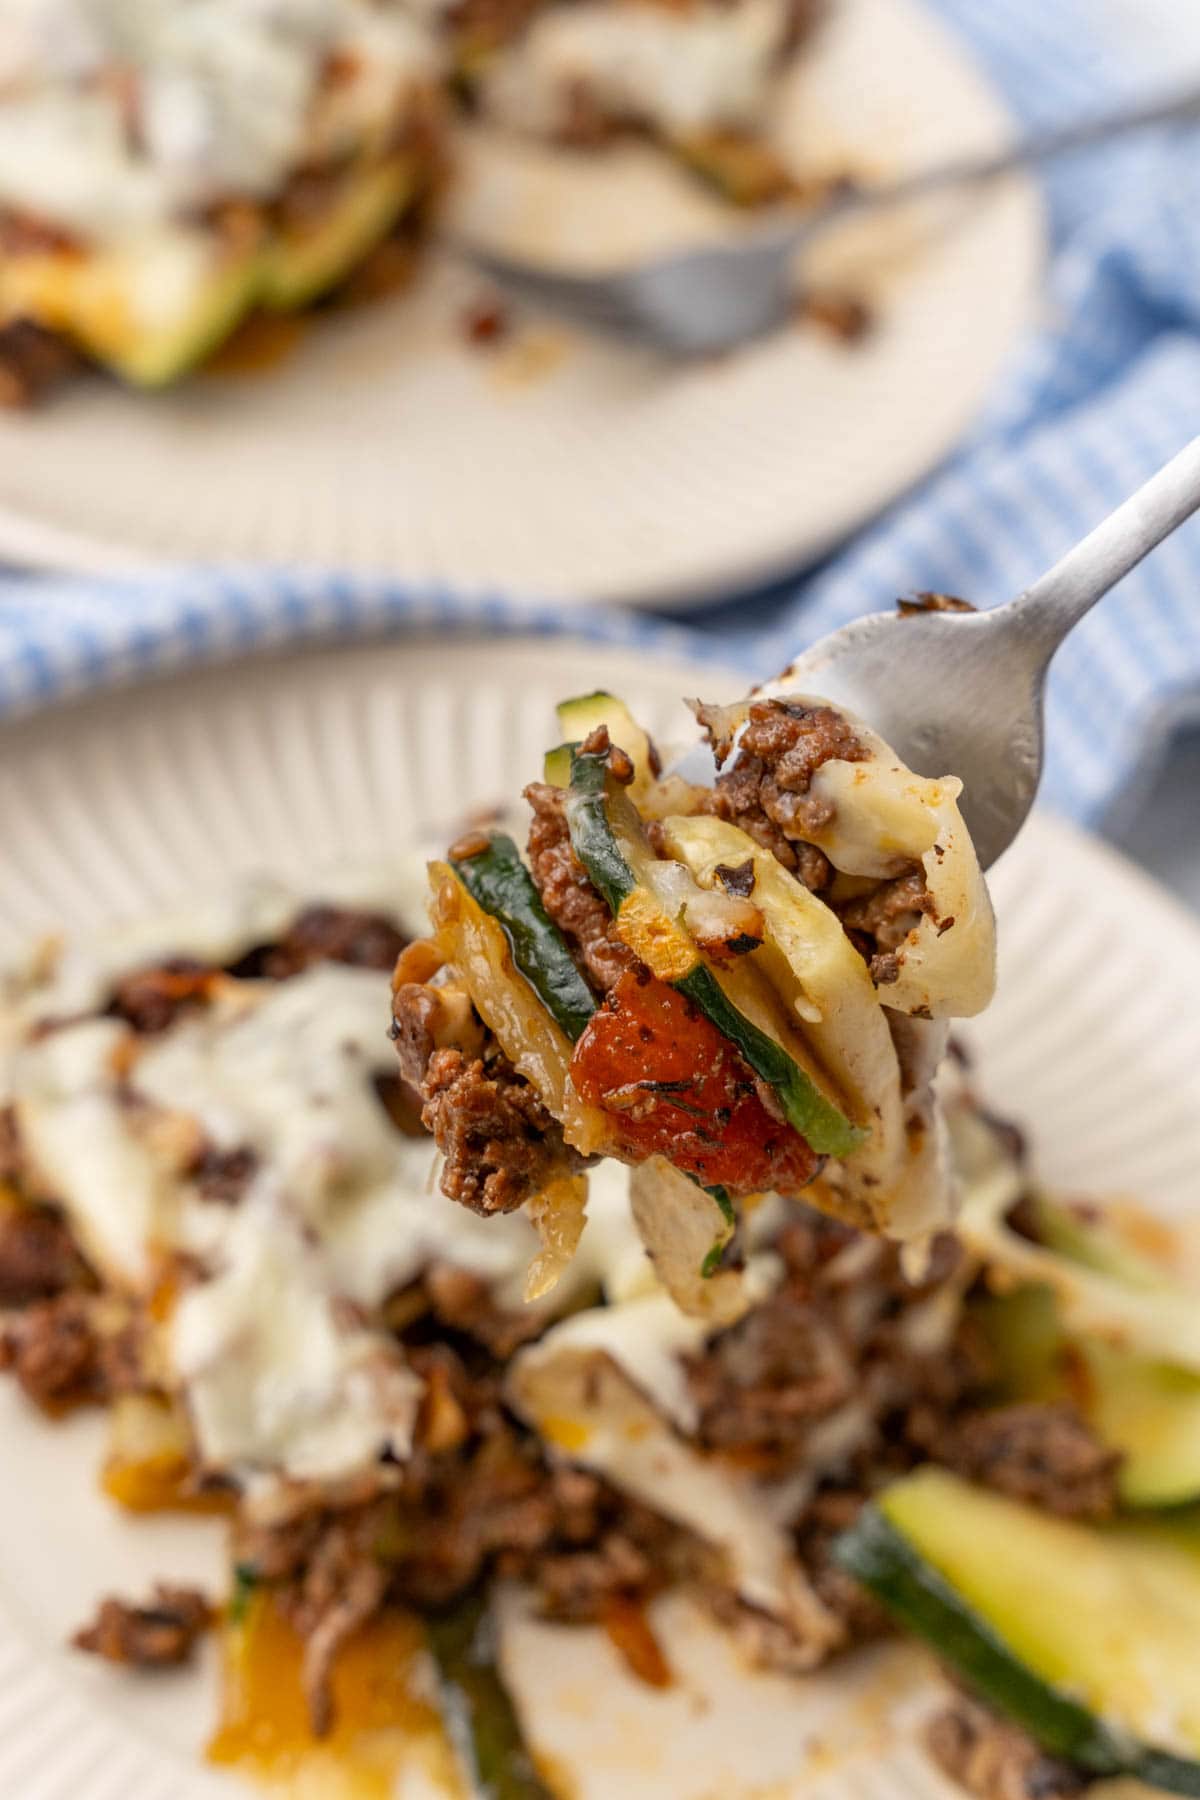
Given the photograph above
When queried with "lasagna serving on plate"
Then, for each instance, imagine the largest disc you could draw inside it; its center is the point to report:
(169, 166)
(219, 1219)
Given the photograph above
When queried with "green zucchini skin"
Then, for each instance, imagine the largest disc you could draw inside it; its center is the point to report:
(480, 1717)
(591, 836)
(821, 1125)
(824, 1128)
(879, 1556)
(500, 883)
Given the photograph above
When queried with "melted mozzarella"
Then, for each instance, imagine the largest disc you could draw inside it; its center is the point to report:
(275, 1381)
(289, 1076)
(81, 1141)
(227, 95)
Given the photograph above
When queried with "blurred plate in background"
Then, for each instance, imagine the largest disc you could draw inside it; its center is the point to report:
(132, 801)
(548, 465)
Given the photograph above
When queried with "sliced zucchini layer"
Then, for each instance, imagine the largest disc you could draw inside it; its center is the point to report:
(480, 1716)
(149, 313)
(579, 717)
(1097, 1296)
(1086, 1636)
(1148, 1410)
(534, 1042)
(154, 309)
(504, 888)
(607, 837)
(301, 265)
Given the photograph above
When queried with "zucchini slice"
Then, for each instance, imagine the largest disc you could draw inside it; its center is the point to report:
(607, 837)
(481, 1719)
(578, 717)
(534, 1042)
(1085, 1635)
(1148, 1410)
(148, 313)
(499, 881)
(556, 769)
(301, 265)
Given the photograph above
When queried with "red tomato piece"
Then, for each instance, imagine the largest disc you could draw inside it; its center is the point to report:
(676, 1087)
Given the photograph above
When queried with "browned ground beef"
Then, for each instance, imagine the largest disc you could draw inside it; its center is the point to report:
(832, 1511)
(32, 360)
(461, 1301)
(10, 1146)
(223, 1175)
(38, 1257)
(766, 792)
(1045, 1455)
(925, 602)
(567, 894)
(55, 1353)
(879, 922)
(993, 1759)
(160, 1634)
(151, 999)
(64, 1354)
(341, 934)
(832, 1333)
(500, 1145)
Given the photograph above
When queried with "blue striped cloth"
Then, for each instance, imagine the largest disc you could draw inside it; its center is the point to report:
(1107, 391)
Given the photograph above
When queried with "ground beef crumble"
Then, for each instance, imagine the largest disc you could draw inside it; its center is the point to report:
(341, 934)
(32, 360)
(1045, 1455)
(38, 1256)
(499, 1143)
(995, 1760)
(64, 1355)
(833, 1338)
(879, 922)
(151, 999)
(767, 792)
(162, 1633)
(568, 895)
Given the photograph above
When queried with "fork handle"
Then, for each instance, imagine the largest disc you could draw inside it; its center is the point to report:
(1036, 147)
(1047, 611)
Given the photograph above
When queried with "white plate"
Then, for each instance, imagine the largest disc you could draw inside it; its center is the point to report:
(562, 467)
(126, 802)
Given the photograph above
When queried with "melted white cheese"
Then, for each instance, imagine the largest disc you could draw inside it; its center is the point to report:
(117, 116)
(695, 68)
(86, 1154)
(290, 1076)
(275, 1381)
(588, 1408)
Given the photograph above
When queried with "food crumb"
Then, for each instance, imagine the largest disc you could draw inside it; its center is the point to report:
(486, 322)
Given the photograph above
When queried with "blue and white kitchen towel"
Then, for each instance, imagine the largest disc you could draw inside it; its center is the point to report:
(1108, 391)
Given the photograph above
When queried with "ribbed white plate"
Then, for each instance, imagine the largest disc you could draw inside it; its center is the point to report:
(555, 466)
(129, 801)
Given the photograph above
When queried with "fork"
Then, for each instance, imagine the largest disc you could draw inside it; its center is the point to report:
(962, 692)
(701, 301)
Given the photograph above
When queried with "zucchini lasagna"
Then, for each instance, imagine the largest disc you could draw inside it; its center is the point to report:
(217, 1221)
(736, 990)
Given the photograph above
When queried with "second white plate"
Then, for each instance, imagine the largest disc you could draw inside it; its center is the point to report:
(555, 466)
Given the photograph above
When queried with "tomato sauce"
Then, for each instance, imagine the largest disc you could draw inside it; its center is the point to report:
(676, 1087)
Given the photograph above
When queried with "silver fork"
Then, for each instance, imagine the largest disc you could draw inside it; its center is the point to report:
(962, 692)
(697, 302)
